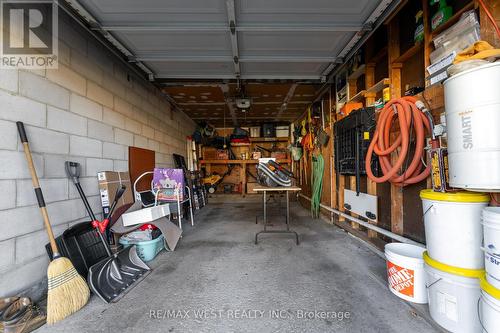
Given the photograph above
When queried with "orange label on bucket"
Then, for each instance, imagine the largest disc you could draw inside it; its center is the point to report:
(400, 279)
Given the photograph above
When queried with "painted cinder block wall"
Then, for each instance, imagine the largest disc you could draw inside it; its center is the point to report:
(90, 110)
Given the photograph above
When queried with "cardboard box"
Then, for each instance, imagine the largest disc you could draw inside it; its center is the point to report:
(280, 155)
(145, 215)
(109, 183)
(209, 153)
(222, 154)
(169, 183)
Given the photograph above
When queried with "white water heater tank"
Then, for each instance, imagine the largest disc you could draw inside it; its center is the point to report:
(472, 102)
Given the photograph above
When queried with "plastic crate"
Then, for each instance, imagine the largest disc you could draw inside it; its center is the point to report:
(81, 245)
(146, 250)
(355, 129)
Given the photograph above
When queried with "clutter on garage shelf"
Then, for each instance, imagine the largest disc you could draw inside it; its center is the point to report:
(67, 290)
(450, 42)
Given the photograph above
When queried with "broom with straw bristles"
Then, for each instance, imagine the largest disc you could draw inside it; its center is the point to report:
(67, 291)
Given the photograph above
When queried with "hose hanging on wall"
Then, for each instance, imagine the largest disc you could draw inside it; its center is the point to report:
(412, 118)
(318, 167)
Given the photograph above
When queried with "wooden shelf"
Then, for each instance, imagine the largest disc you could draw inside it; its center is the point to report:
(239, 161)
(409, 53)
(358, 97)
(283, 139)
(372, 90)
(357, 73)
(454, 19)
(378, 86)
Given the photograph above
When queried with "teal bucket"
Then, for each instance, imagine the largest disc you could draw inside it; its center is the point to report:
(146, 250)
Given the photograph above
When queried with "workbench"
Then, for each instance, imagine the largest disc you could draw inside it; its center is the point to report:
(264, 190)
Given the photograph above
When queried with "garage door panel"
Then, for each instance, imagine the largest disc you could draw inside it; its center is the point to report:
(182, 43)
(191, 69)
(150, 12)
(282, 68)
(312, 44)
(310, 12)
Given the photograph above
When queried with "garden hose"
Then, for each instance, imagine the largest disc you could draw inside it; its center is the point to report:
(412, 118)
(318, 166)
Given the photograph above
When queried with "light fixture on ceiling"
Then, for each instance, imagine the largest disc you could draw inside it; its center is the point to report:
(243, 103)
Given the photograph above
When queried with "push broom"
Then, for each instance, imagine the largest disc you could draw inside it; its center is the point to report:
(67, 290)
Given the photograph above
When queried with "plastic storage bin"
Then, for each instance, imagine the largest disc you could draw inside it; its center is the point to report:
(146, 250)
(282, 131)
(268, 130)
(255, 132)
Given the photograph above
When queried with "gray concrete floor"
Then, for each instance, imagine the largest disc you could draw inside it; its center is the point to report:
(267, 287)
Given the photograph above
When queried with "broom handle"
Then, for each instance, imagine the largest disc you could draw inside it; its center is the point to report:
(38, 190)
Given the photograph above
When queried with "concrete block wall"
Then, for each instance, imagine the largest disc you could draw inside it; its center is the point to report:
(90, 110)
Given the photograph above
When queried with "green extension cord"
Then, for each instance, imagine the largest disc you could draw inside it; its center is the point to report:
(318, 166)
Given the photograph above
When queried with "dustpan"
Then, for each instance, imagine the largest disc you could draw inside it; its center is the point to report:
(113, 277)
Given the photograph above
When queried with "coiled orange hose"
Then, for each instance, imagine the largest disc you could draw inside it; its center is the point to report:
(408, 115)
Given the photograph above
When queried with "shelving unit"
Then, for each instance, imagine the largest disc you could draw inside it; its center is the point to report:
(284, 139)
(239, 175)
(409, 53)
(379, 86)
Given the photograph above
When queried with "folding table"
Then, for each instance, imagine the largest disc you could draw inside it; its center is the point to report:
(287, 190)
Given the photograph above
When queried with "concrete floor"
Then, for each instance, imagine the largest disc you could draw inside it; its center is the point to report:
(267, 287)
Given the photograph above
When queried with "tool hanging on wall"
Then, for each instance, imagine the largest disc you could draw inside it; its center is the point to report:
(318, 167)
(412, 117)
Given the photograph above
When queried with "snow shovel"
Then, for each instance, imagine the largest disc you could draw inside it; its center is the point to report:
(113, 277)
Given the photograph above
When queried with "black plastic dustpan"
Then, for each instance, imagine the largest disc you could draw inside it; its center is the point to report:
(113, 277)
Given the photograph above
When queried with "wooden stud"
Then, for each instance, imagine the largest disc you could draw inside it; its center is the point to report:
(488, 32)
(341, 196)
(352, 187)
(395, 76)
(243, 178)
(427, 37)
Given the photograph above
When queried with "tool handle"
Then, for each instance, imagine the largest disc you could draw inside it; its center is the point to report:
(22, 132)
(73, 171)
(38, 190)
(118, 195)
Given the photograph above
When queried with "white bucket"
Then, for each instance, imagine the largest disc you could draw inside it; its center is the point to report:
(491, 224)
(405, 272)
(453, 296)
(492, 268)
(453, 230)
(489, 308)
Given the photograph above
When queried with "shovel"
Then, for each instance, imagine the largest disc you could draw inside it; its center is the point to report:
(113, 277)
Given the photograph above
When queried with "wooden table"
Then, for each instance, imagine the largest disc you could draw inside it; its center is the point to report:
(264, 190)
